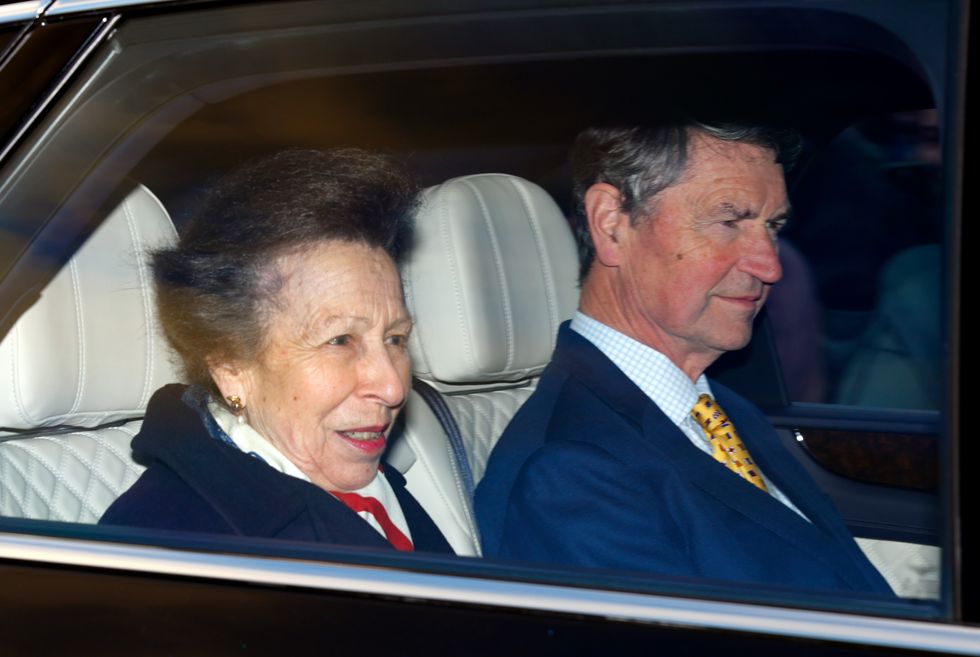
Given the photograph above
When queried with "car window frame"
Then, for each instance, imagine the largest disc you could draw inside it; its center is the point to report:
(66, 8)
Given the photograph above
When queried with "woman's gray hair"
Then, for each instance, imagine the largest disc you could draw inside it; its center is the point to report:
(218, 287)
(641, 162)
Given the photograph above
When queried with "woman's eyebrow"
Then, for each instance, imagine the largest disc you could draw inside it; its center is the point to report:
(358, 319)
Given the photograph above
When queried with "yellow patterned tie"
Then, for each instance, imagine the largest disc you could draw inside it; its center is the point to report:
(726, 446)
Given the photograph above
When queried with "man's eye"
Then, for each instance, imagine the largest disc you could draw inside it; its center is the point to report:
(777, 225)
(339, 341)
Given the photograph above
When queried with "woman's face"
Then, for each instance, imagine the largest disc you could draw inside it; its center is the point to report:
(335, 369)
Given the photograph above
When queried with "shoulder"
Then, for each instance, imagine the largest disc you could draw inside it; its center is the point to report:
(582, 463)
(577, 503)
(162, 500)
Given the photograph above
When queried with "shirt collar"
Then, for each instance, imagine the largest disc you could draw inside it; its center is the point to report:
(652, 372)
(251, 442)
(223, 425)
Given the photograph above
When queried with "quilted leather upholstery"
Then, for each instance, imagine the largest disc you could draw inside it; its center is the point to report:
(492, 275)
(485, 415)
(912, 570)
(89, 352)
(71, 477)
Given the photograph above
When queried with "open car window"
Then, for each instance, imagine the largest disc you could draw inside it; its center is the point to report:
(852, 365)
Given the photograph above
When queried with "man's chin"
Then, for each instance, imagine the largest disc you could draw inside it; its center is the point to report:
(733, 341)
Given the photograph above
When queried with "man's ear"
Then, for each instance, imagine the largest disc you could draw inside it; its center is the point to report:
(607, 221)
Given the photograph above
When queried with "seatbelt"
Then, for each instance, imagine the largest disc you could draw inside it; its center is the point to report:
(441, 410)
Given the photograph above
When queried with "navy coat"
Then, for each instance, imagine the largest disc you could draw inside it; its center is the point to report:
(590, 472)
(197, 483)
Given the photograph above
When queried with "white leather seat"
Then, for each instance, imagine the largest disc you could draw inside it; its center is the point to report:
(87, 354)
(492, 274)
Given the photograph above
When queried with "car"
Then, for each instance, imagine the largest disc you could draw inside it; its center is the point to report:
(119, 115)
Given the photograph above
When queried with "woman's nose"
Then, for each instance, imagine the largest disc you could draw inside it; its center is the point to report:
(384, 377)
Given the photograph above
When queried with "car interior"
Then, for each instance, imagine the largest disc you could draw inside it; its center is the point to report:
(492, 274)
(494, 268)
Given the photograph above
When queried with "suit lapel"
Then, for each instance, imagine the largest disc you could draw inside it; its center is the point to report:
(816, 538)
(777, 464)
(662, 439)
(582, 360)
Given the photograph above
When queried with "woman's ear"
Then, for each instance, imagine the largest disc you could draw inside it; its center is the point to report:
(230, 378)
(603, 208)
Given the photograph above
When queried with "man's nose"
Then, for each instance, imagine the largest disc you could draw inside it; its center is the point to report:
(760, 256)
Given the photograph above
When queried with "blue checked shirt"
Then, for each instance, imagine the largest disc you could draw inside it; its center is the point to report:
(660, 380)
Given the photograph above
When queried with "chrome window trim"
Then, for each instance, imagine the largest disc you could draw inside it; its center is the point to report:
(108, 23)
(22, 11)
(62, 7)
(632, 607)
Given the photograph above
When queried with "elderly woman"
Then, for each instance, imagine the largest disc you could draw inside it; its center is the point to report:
(285, 306)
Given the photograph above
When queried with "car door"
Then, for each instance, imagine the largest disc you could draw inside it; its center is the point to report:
(171, 94)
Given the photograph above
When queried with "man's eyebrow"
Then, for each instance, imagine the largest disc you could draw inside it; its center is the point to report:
(732, 210)
(727, 208)
(784, 216)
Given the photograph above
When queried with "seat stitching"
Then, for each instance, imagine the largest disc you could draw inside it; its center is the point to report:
(500, 271)
(551, 297)
(477, 405)
(28, 474)
(56, 469)
(79, 319)
(64, 449)
(30, 481)
(15, 377)
(477, 413)
(8, 494)
(124, 457)
(445, 229)
(144, 294)
(152, 329)
(408, 289)
(95, 467)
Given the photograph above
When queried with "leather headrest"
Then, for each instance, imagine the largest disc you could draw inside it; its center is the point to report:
(492, 274)
(90, 350)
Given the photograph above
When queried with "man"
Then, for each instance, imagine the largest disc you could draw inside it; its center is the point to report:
(626, 456)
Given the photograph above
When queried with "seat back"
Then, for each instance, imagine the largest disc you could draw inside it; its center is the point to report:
(491, 276)
(88, 354)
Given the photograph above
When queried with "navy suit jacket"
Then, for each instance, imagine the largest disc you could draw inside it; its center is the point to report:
(591, 472)
(197, 483)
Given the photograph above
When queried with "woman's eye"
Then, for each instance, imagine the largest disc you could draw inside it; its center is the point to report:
(339, 341)
(397, 340)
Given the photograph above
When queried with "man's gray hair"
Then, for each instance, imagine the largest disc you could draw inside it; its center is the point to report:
(641, 162)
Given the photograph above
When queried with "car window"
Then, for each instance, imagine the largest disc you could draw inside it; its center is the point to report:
(858, 318)
(31, 64)
(175, 97)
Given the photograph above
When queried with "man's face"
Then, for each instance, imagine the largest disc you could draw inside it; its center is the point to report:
(697, 270)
